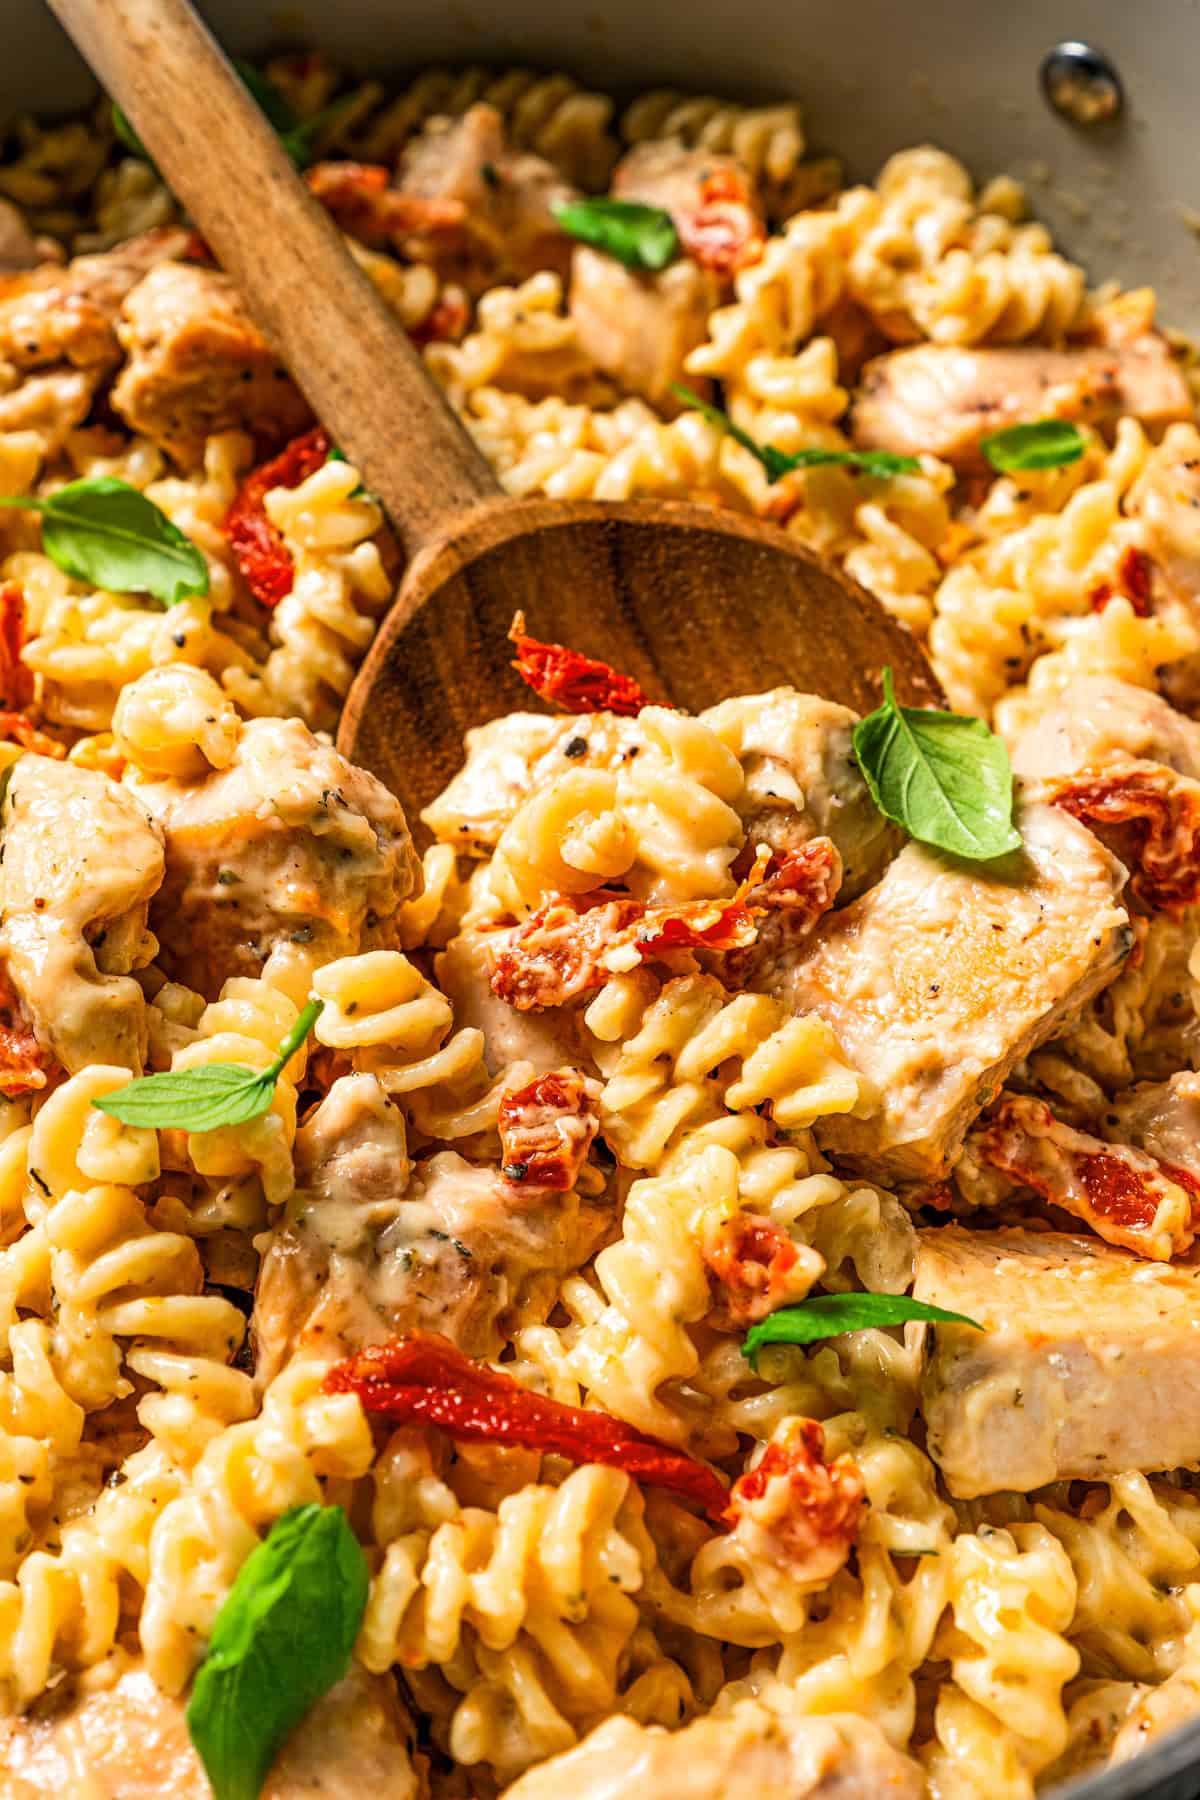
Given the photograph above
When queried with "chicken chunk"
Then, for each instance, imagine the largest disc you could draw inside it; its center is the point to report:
(743, 1754)
(290, 844)
(67, 313)
(511, 758)
(943, 399)
(1161, 1118)
(197, 363)
(505, 228)
(1099, 720)
(131, 1742)
(80, 866)
(940, 978)
(51, 403)
(802, 780)
(1086, 1365)
(372, 1247)
(638, 327)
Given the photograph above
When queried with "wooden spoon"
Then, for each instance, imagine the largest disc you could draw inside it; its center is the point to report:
(694, 602)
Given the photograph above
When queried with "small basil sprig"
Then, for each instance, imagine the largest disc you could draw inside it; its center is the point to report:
(209, 1095)
(102, 530)
(944, 777)
(828, 1315)
(642, 237)
(295, 135)
(282, 1638)
(1046, 444)
(778, 463)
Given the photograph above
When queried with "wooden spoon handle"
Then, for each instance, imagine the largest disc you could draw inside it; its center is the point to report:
(321, 314)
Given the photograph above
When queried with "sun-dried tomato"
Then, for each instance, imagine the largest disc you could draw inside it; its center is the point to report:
(260, 552)
(361, 201)
(447, 321)
(754, 1268)
(725, 231)
(798, 1509)
(18, 728)
(25, 1066)
(546, 1131)
(572, 682)
(1135, 576)
(1152, 816)
(423, 1378)
(804, 878)
(16, 677)
(1126, 1196)
(562, 952)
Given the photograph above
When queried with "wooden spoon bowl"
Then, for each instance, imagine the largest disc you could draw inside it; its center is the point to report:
(695, 602)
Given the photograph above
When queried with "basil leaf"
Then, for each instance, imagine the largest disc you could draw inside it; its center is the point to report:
(642, 237)
(102, 530)
(1046, 444)
(282, 1638)
(945, 778)
(271, 101)
(830, 1314)
(298, 140)
(780, 462)
(196, 1099)
(211, 1094)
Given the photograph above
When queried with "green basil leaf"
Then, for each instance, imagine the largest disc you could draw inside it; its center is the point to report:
(828, 1315)
(945, 778)
(198, 1099)
(282, 1638)
(1046, 444)
(779, 462)
(102, 530)
(642, 237)
(278, 113)
(209, 1095)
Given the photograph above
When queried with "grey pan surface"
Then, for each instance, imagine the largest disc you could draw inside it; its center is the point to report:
(874, 76)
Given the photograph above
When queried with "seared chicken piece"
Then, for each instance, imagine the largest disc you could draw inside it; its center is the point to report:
(743, 1754)
(51, 403)
(1099, 720)
(197, 363)
(1086, 1364)
(1125, 762)
(372, 1246)
(803, 782)
(505, 199)
(511, 758)
(81, 863)
(941, 399)
(130, 1742)
(1160, 1117)
(638, 327)
(289, 844)
(944, 975)
(68, 312)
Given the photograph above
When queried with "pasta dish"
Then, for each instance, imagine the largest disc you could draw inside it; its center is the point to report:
(675, 1271)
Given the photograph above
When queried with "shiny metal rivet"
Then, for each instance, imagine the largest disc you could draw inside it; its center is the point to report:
(1081, 84)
